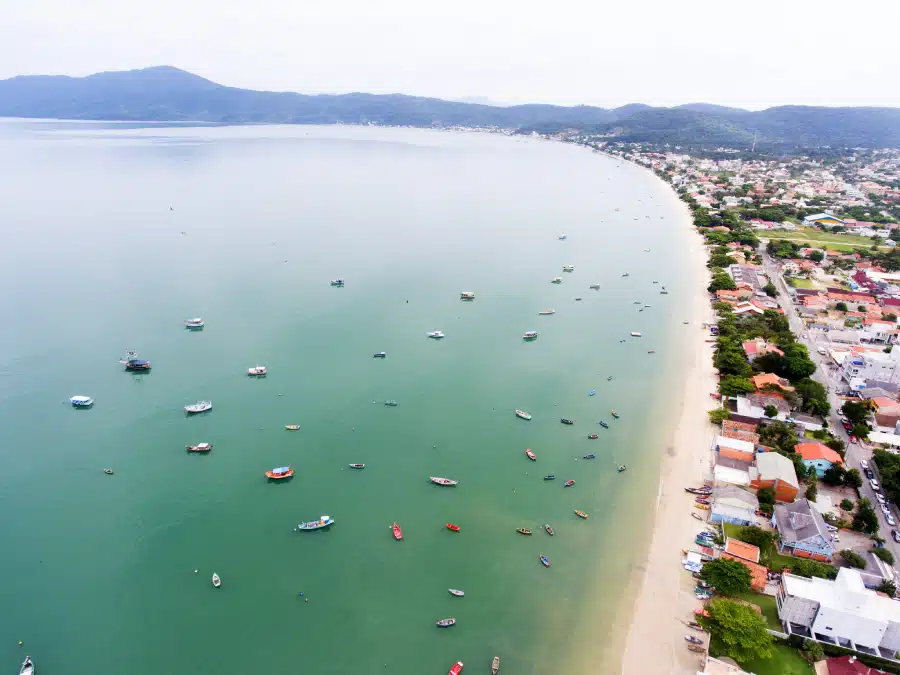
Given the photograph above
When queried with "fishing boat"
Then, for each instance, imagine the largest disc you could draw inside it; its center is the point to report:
(609, 379)
(337, 282)
(132, 362)
(621, 468)
(550, 477)
(593, 436)
(194, 324)
(548, 529)
(292, 427)
(693, 640)
(524, 415)
(590, 455)
(603, 424)
(592, 392)
(594, 287)
(695, 626)
(664, 292)
(452, 527)
(392, 403)
(257, 371)
(456, 592)
(443, 623)
(702, 506)
(456, 669)
(27, 667)
(614, 414)
(530, 335)
(200, 447)
(530, 455)
(467, 295)
(546, 312)
(524, 530)
(651, 351)
(569, 483)
(544, 561)
(436, 334)
(635, 333)
(556, 280)
(495, 665)
(108, 472)
(198, 407)
(280, 473)
(562, 237)
(357, 466)
(217, 580)
(379, 355)
(580, 514)
(443, 481)
(322, 522)
(697, 516)
(577, 299)
(625, 274)
(566, 420)
(398, 533)
(81, 401)
(568, 268)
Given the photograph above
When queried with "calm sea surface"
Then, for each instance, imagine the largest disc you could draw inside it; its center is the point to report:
(93, 261)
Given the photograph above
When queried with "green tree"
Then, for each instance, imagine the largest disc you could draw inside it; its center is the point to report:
(757, 536)
(766, 495)
(889, 588)
(861, 308)
(816, 256)
(732, 385)
(885, 555)
(810, 568)
(814, 397)
(739, 629)
(837, 445)
(772, 213)
(728, 577)
(812, 491)
(853, 558)
(721, 282)
(770, 289)
(771, 411)
(865, 519)
(856, 412)
(847, 505)
(798, 365)
(853, 479)
(860, 430)
(719, 415)
(841, 307)
(834, 475)
(813, 651)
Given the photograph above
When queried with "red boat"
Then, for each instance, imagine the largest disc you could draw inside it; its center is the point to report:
(593, 436)
(456, 669)
(398, 533)
(451, 526)
(531, 455)
(569, 483)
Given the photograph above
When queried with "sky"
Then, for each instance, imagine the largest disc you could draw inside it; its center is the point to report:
(752, 54)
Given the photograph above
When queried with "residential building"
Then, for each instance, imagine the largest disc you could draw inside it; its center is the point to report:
(759, 575)
(803, 532)
(845, 665)
(770, 380)
(731, 504)
(818, 456)
(733, 448)
(754, 406)
(756, 348)
(777, 472)
(741, 431)
(741, 549)
(859, 369)
(842, 612)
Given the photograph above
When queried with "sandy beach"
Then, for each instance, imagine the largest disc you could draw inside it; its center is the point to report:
(655, 642)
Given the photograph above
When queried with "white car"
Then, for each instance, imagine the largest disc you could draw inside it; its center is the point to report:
(879, 497)
(890, 520)
(864, 464)
(874, 484)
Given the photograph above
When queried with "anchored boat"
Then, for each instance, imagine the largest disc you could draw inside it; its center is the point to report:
(292, 427)
(379, 355)
(456, 592)
(546, 312)
(590, 456)
(280, 473)
(524, 530)
(443, 481)
(524, 415)
(81, 401)
(548, 529)
(133, 363)
(568, 268)
(495, 665)
(200, 447)
(550, 477)
(443, 623)
(556, 280)
(565, 420)
(216, 580)
(456, 669)
(337, 282)
(603, 424)
(530, 455)
(198, 407)
(580, 514)
(27, 667)
(357, 466)
(530, 335)
(436, 334)
(614, 414)
(194, 324)
(569, 483)
(257, 371)
(452, 527)
(544, 561)
(319, 524)
(398, 533)
(467, 295)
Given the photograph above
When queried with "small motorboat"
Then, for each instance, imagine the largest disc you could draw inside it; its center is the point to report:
(568, 268)
(634, 333)
(443, 623)
(693, 640)
(562, 237)
(200, 447)
(379, 355)
(292, 427)
(544, 561)
(603, 424)
(452, 527)
(319, 524)
(592, 436)
(108, 472)
(566, 420)
(456, 669)
(530, 335)
(622, 468)
(133, 363)
(697, 516)
(495, 665)
(467, 295)
(664, 292)
(436, 334)
(447, 482)
(577, 299)
(695, 626)
(524, 530)
(217, 580)
(398, 533)
(556, 280)
(280, 473)
(357, 466)
(609, 379)
(590, 455)
(651, 351)
(27, 667)
(580, 514)
(81, 401)
(550, 477)
(569, 483)
(456, 592)
(594, 287)
(198, 407)
(546, 312)
(614, 414)
(592, 392)
(194, 324)
(548, 529)
(337, 282)
(530, 455)
(391, 403)
(625, 274)
(257, 371)
(524, 415)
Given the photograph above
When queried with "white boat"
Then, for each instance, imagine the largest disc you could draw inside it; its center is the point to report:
(530, 335)
(634, 333)
(443, 481)
(217, 580)
(81, 401)
(27, 667)
(556, 280)
(455, 591)
(546, 312)
(524, 415)
(467, 295)
(562, 237)
(322, 522)
(257, 370)
(436, 334)
(198, 407)
(568, 268)
(200, 447)
(337, 282)
(194, 324)
(594, 287)
(625, 274)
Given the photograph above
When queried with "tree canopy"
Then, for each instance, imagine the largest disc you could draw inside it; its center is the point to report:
(740, 630)
(865, 519)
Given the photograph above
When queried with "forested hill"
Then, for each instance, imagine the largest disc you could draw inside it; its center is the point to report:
(164, 93)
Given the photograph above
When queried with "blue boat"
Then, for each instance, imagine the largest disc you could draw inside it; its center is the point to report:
(590, 456)
(132, 362)
(603, 424)
(544, 561)
(550, 477)
(592, 392)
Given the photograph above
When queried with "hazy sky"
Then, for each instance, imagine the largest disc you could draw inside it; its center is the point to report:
(751, 54)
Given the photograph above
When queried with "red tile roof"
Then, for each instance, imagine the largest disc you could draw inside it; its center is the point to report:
(815, 450)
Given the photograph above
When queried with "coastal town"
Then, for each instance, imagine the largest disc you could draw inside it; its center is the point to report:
(791, 566)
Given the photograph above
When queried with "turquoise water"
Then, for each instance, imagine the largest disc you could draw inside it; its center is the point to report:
(94, 262)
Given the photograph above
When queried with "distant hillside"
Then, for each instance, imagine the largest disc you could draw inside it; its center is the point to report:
(164, 93)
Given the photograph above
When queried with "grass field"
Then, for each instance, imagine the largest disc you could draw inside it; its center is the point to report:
(817, 239)
(798, 282)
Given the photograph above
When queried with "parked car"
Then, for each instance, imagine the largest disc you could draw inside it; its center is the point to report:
(879, 497)
(896, 536)
(890, 520)
(874, 483)
(869, 474)
(854, 439)
(830, 528)
(864, 464)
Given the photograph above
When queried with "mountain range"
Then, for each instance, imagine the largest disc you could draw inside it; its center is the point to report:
(164, 93)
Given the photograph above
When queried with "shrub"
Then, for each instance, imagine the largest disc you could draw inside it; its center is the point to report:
(719, 415)
(853, 558)
(847, 505)
(885, 555)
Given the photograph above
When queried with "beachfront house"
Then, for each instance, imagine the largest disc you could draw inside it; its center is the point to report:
(777, 472)
(802, 531)
(842, 613)
(818, 456)
(748, 556)
(731, 504)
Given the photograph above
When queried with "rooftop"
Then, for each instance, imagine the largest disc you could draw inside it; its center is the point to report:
(814, 450)
(846, 594)
(772, 466)
(742, 549)
(799, 521)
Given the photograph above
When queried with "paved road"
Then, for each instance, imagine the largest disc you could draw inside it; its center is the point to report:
(854, 452)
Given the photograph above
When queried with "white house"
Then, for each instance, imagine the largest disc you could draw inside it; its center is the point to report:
(859, 369)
